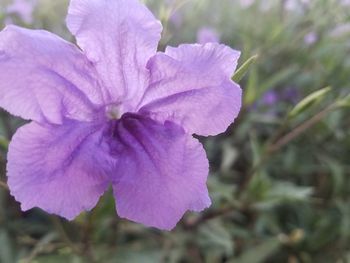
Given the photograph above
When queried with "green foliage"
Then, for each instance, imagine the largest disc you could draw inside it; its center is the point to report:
(280, 176)
(242, 71)
(259, 253)
(308, 101)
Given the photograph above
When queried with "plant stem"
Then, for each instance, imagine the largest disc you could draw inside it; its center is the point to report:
(4, 185)
(62, 232)
(210, 215)
(300, 129)
(7, 125)
(275, 143)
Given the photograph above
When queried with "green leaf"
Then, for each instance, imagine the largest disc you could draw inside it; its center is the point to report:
(250, 89)
(242, 71)
(309, 101)
(278, 78)
(214, 237)
(131, 255)
(289, 191)
(283, 193)
(4, 143)
(344, 102)
(6, 249)
(57, 259)
(259, 253)
(40, 246)
(256, 148)
(259, 186)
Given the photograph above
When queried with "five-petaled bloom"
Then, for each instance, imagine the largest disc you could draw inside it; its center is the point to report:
(113, 113)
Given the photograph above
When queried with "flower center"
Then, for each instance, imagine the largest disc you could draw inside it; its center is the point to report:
(113, 112)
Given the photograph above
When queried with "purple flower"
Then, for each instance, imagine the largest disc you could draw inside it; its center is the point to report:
(246, 3)
(345, 3)
(340, 30)
(22, 8)
(310, 38)
(270, 98)
(207, 35)
(291, 94)
(176, 19)
(116, 113)
(296, 5)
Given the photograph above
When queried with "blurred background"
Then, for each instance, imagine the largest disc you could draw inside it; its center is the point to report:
(280, 175)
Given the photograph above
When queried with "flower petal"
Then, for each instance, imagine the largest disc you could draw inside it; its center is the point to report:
(163, 170)
(191, 86)
(118, 36)
(44, 78)
(60, 169)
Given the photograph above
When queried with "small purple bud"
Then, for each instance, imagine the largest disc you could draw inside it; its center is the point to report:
(270, 98)
(207, 35)
(310, 38)
(22, 8)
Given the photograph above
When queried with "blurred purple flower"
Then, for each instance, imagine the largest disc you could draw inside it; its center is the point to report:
(23, 8)
(8, 21)
(176, 19)
(270, 98)
(207, 35)
(310, 38)
(296, 5)
(262, 5)
(116, 113)
(340, 31)
(246, 3)
(345, 3)
(290, 94)
(291, 5)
